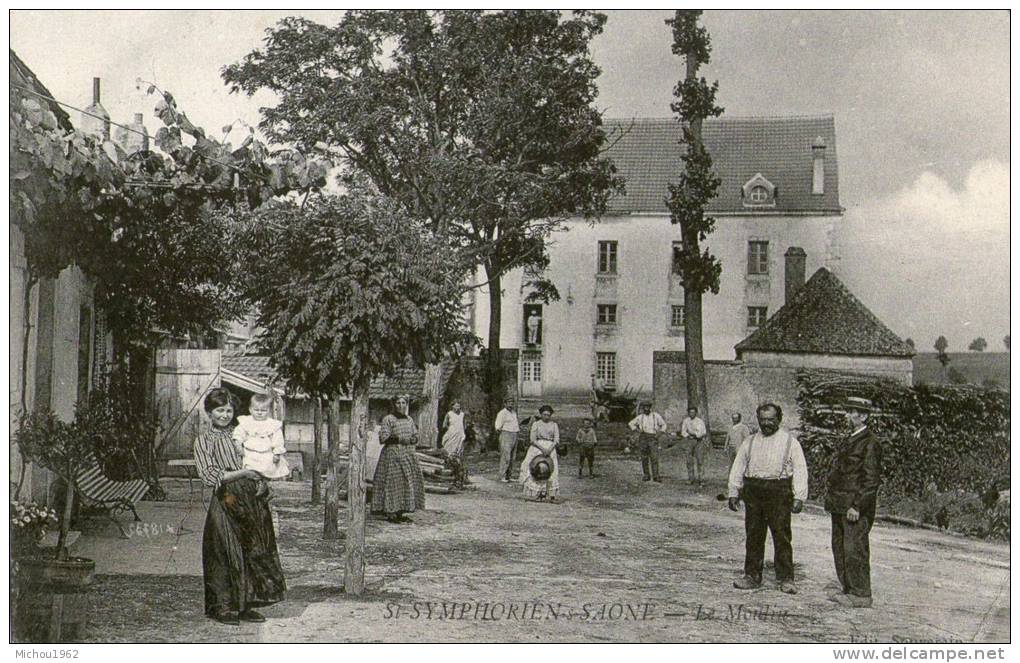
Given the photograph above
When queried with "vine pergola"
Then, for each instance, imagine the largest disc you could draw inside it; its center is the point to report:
(138, 225)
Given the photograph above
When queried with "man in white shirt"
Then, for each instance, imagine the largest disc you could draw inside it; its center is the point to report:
(694, 429)
(507, 426)
(770, 475)
(649, 425)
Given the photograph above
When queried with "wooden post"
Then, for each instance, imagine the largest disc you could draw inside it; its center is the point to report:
(317, 452)
(332, 511)
(354, 564)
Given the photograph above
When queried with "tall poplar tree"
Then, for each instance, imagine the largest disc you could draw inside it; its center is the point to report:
(696, 186)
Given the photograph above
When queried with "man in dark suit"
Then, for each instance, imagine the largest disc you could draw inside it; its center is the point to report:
(850, 500)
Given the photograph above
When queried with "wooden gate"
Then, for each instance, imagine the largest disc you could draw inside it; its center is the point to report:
(182, 379)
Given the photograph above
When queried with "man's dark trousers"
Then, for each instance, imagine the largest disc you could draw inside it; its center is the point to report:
(648, 444)
(851, 551)
(767, 504)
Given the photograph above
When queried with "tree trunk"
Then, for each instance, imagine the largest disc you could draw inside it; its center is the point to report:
(354, 564)
(697, 392)
(65, 520)
(495, 388)
(332, 510)
(317, 452)
(428, 417)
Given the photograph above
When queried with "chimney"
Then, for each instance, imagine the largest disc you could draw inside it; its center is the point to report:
(818, 172)
(97, 122)
(796, 262)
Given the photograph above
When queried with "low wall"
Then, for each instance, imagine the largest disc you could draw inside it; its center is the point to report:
(740, 386)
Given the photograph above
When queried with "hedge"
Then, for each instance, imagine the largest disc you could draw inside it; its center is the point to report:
(944, 437)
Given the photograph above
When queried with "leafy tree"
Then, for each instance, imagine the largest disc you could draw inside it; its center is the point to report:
(696, 186)
(978, 344)
(481, 124)
(1005, 342)
(910, 342)
(349, 288)
(940, 347)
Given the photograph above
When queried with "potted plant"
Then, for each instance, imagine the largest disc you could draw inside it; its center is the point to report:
(54, 584)
(29, 524)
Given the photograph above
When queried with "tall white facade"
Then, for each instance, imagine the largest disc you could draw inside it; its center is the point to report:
(619, 297)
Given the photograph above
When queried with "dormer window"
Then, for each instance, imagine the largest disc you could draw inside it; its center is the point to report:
(759, 192)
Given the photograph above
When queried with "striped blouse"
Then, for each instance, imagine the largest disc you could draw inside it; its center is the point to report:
(216, 453)
(402, 428)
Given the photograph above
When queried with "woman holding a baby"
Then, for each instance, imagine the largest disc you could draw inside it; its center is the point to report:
(240, 561)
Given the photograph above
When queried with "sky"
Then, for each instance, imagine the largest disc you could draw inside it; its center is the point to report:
(920, 99)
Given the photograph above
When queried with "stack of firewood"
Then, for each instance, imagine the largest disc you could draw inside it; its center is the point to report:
(439, 473)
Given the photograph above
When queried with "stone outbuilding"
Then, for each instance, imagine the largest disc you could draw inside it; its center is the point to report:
(822, 326)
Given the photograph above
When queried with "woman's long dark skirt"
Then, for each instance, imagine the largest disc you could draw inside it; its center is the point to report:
(240, 562)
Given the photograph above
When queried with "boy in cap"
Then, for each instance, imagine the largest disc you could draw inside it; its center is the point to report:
(586, 442)
(850, 500)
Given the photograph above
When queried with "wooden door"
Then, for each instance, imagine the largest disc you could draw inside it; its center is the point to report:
(531, 375)
(183, 377)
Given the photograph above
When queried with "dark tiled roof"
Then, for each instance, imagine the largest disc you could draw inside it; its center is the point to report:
(21, 75)
(404, 381)
(647, 155)
(256, 367)
(826, 318)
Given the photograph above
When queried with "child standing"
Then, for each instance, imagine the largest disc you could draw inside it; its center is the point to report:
(586, 442)
(260, 439)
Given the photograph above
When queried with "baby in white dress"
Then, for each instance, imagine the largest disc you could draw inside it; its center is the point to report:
(260, 439)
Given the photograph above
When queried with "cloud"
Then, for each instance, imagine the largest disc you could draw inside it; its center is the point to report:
(932, 259)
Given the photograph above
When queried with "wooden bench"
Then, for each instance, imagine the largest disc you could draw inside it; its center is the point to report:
(109, 497)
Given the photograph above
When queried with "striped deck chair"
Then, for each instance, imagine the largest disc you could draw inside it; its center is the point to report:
(109, 497)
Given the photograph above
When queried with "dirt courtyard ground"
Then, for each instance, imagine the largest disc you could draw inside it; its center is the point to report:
(618, 560)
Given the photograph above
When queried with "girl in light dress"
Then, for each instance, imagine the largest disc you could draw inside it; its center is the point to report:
(260, 439)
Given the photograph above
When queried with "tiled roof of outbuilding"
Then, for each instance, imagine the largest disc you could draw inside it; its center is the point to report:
(255, 367)
(647, 154)
(404, 381)
(826, 318)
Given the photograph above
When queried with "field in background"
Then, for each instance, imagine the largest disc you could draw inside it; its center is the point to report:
(976, 367)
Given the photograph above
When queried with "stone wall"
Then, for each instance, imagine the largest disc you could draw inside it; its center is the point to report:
(740, 386)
